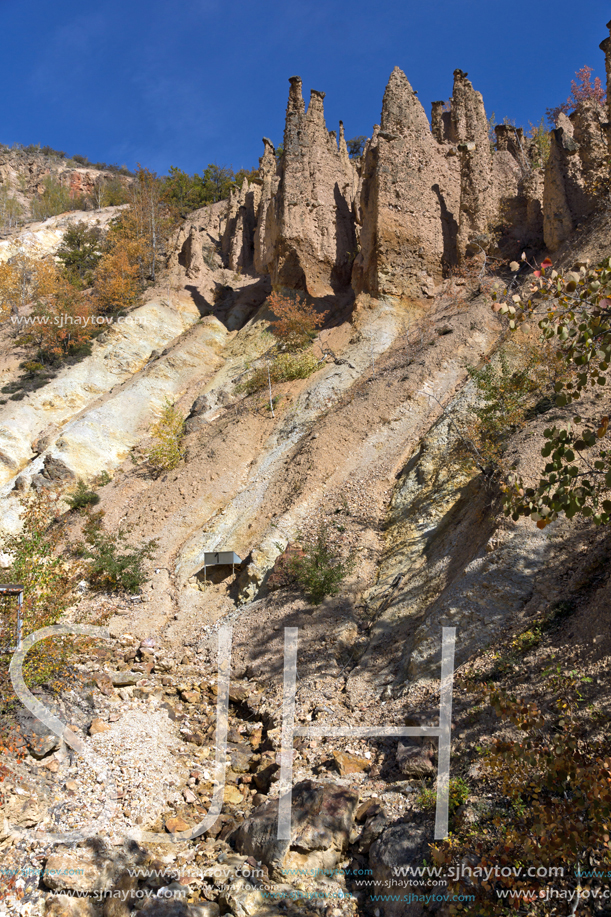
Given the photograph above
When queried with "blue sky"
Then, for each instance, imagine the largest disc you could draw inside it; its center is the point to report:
(197, 81)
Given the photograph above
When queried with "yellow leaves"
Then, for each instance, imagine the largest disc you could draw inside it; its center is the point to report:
(166, 449)
(117, 283)
(24, 279)
(294, 320)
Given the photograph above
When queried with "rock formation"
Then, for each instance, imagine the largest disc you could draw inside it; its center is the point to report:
(266, 216)
(23, 173)
(408, 201)
(469, 129)
(238, 244)
(314, 238)
(605, 46)
(575, 166)
(421, 199)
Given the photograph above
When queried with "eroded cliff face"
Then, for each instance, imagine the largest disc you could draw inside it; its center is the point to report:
(421, 199)
(313, 239)
(408, 203)
(369, 444)
(574, 170)
(22, 176)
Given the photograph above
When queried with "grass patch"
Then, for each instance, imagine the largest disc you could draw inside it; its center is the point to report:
(285, 367)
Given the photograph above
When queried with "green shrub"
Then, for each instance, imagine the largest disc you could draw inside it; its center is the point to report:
(320, 569)
(166, 450)
(115, 564)
(554, 789)
(510, 392)
(82, 497)
(48, 580)
(285, 367)
(458, 794)
(80, 253)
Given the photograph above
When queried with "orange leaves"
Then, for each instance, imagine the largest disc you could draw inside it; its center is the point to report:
(295, 321)
(117, 284)
(65, 319)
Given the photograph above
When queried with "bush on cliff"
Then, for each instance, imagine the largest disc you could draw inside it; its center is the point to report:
(166, 450)
(283, 367)
(552, 817)
(115, 565)
(319, 568)
(573, 311)
(48, 580)
(82, 497)
(295, 321)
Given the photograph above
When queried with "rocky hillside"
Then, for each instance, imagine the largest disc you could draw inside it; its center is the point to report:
(399, 249)
(25, 175)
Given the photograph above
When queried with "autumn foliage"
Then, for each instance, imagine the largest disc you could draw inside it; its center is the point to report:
(554, 812)
(48, 579)
(295, 322)
(582, 89)
(117, 279)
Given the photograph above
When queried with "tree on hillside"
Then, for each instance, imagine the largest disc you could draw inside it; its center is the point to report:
(117, 279)
(185, 193)
(295, 321)
(356, 145)
(54, 199)
(65, 322)
(109, 192)
(80, 253)
(24, 278)
(151, 218)
(582, 89)
(10, 209)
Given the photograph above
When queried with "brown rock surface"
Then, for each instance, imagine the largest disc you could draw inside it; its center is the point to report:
(408, 202)
(574, 169)
(469, 128)
(98, 726)
(322, 819)
(313, 233)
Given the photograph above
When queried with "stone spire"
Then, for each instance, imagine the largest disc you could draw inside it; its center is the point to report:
(409, 193)
(307, 235)
(263, 238)
(605, 46)
(401, 110)
(468, 117)
(316, 110)
(295, 103)
(469, 129)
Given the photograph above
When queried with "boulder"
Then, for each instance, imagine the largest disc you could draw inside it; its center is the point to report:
(69, 906)
(322, 818)
(39, 739)
(94, 868)
(399, 845)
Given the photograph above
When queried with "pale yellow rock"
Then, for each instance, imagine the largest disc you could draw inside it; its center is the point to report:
(232, 795)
